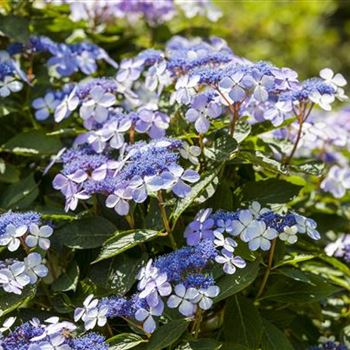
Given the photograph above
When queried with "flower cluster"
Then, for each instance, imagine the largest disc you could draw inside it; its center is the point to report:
(65, 59)
(53, 334)
(24, 229)
(256, 226)
(208, 81)
(106, 121)
(153, 12)
(181, 279)
(145, 168)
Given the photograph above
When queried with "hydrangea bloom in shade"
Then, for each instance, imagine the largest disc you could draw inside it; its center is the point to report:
(153, 286)
(183, 299)
(200, 228)
(308, 226)
(34, 267)
(14, 278)
(289, 234)
(9, 85)
(6, 326)
(67, 59)
(239, 227)
(45, 105)
(146, 316)
(229, 261)
(11, 76)
(18, 219)
(38, 236)
(221, 241)
(92, 313)
(205, 295)
(12, 236)
(259, 236)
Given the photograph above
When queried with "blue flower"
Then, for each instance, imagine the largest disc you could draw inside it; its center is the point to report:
(203, 106)
(258, 235)
(45, 106)
(146, 316)
(154, 123)
(200, 228)
(183, 299)
(229, 261)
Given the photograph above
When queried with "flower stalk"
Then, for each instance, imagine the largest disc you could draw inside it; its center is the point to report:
(165, 220)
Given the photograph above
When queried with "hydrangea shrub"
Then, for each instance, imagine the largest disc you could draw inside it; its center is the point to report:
(170, 195)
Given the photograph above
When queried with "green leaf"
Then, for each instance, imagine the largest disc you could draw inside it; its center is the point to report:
(85, 233)
(116, 275)
(231, 346)
(11, 301)
(242, 131)
(32, 143)
(273, 338)
(197, 190)
(222, 148)
(266, 126)
(124, 240)
(270, 191)
(232, 284)
(67, 281)
(201, 344)
(295, 274)
(125, 341)
(295, 259)
(312, 167)
(330, 222)
(20, 194)
(259, 158)
(15, 27)
(8, 173)
(167, 334)
(336, 263)
(286, 290)
(242, 323)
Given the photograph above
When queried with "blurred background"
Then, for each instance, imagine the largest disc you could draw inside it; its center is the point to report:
(304, 35)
